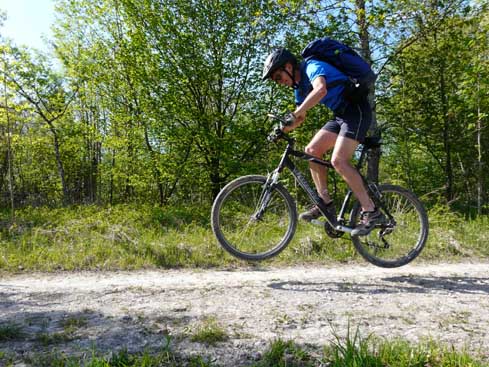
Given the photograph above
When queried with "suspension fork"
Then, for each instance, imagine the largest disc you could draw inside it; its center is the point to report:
(270, 183)
(266, 195)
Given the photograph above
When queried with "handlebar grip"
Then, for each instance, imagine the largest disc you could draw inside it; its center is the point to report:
(275, 134)
(289, 119)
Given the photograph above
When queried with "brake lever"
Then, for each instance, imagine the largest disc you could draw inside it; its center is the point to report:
(287, 120)
(276, 134)
(275, 117)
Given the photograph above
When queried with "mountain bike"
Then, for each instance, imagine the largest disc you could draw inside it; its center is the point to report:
(255, 217)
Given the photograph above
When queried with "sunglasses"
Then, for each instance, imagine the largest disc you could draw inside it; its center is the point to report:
(277, 77)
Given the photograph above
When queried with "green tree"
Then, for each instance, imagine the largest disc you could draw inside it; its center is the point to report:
(6, 167)
(178, 81)
(34, 80)
(433, 109)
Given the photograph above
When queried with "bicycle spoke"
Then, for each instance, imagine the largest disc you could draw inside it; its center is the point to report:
(254, 223)
(400, 240)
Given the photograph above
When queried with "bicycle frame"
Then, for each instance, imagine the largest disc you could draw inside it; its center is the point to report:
(285, 162)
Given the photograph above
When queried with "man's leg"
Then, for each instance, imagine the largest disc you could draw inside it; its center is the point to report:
(322, 142)
(342, 153)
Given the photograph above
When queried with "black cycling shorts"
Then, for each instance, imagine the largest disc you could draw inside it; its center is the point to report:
(352, 122)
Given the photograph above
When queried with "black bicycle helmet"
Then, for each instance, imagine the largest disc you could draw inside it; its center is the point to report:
(276, 60)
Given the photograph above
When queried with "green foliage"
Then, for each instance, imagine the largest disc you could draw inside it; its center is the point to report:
(162, 102)
(285, 353)
(355, 351)
(130, 237)
(366, 352)
(120, 358)
(209, 332)
(93, 237)
(432, 109)
(403, 354)
(378, 352)
(184, 77)
(10, 331)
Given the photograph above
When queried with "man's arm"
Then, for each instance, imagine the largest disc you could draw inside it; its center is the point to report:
(318, 92)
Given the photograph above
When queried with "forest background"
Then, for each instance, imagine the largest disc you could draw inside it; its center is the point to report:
(160, 103)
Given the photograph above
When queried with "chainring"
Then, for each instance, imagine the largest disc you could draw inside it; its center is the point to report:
(331, 232)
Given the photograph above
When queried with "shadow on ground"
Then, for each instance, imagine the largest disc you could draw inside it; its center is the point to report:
(400, 284)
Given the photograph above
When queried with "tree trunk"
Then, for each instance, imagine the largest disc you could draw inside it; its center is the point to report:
(215, 177)
(480, 172)
(111, 182)
(9, 151)
(374, 154)
(59, 164)
(97, 153)
(446, 131)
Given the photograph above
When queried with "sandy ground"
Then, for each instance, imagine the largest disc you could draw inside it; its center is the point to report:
(74, 312)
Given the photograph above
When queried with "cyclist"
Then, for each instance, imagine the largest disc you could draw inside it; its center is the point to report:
(343, 133)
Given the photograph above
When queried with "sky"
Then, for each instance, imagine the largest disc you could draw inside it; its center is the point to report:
(27, 21)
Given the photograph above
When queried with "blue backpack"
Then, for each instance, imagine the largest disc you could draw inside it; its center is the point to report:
(346, 60)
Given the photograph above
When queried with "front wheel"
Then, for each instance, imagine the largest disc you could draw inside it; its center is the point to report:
(402, 236)
(253, 219)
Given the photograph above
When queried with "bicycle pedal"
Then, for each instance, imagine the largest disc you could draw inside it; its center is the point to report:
(344, 229)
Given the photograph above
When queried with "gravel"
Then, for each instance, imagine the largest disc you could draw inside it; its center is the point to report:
(144, 310)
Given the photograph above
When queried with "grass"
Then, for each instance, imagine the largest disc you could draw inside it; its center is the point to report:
(10, 331)
(71, 324)
(209, 332)
(356, 351)
(91, 237)
(47, 339)
(349, 351)
(286, 353)
(134, 237)
(117, 359)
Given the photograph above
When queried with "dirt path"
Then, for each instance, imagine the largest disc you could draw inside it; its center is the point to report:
(74, 311)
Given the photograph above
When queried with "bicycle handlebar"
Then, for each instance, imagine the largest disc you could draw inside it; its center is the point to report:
(276, 117)
(278, 132)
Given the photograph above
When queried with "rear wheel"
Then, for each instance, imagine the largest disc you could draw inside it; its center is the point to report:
(402, 237)
(253, 219)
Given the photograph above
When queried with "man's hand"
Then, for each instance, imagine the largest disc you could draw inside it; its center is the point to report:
(289, 119)
(293, 121)
(300, 116)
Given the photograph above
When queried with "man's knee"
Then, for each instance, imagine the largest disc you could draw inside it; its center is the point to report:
(317, 150)
(340, 163)
(313, 150)
(322, 142)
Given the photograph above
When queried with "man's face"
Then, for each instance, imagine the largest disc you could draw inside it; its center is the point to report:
(283, 78)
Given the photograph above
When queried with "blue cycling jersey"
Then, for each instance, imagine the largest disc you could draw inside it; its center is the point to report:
(310, 70)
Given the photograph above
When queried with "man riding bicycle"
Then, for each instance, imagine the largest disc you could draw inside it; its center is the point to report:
(348, 128)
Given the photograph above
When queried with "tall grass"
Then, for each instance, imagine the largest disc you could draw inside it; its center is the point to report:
(135, 237)
(121, 358)
(118, 237)
(350, 351)
(353, 350)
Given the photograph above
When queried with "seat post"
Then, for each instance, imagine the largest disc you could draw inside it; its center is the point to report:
(362, 157)
(369, 143)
